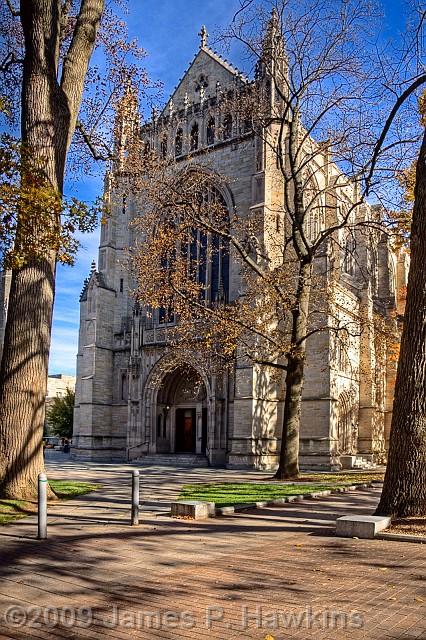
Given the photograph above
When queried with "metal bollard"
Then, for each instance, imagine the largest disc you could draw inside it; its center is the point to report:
(135, 498)
(42, 506)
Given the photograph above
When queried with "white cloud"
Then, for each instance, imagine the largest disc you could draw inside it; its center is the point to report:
(63, 350)
(66, 313)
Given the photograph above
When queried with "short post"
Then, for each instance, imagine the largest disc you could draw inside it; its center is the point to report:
(42, 506)
(135, 498)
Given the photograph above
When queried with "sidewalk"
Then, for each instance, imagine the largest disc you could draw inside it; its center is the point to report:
(277, 571)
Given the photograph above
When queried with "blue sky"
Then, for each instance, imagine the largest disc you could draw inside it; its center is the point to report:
(168, 30)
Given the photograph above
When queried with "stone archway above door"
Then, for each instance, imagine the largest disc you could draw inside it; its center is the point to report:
(181, 412)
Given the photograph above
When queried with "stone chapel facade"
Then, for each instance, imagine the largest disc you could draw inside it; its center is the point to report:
(135, 397)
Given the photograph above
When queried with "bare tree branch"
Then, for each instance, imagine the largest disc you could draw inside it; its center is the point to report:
(267, 363)
(92, 148)
(65, 10)
(15, 13)
(378, 146)
(9, 61)
(244, 4)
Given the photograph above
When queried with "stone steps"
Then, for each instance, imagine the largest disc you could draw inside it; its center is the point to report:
(364, 463)
(358, 462)
(173, 460)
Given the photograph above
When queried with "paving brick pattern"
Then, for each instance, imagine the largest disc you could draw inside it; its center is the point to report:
(277, 572)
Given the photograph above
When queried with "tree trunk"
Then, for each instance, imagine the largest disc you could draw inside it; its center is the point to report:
(289, 454)
(49, 112)
(23, 378)
(24, 367)
(404, 489)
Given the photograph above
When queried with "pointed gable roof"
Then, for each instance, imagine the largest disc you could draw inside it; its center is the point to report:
(207, 73)
(98, 280)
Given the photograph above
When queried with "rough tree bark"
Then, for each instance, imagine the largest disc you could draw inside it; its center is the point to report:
(289, 453)
(404, 489)
(49, 112)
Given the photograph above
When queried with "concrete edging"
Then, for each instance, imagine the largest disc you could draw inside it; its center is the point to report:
(400, 537)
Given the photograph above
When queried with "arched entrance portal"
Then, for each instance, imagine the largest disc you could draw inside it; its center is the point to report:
(181, 413)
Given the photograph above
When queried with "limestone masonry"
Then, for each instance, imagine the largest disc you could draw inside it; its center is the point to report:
(135, 397)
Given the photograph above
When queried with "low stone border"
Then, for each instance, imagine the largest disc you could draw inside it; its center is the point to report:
(226, 511)
(361, 526)
(195, 509)
(400, 537)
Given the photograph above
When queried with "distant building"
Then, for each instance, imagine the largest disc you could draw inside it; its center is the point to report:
(57, 385)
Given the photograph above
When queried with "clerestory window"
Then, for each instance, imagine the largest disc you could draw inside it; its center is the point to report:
(194, 137)
(227, 127)
(179, 142)
(211, 131)
(163, 147)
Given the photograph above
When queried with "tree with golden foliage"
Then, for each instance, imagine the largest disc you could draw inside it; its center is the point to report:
(46, 48)
(27, 204)
(316, 78)
(401, 218)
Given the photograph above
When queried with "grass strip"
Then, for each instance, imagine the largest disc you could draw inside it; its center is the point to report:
(229, 494)
(11, 510)
(66, 489)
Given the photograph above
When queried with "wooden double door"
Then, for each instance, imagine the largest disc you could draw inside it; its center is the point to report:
(186, 430)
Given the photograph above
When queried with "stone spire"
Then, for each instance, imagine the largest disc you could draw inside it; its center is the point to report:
(127, 120)
(272, 67)
(273, 45)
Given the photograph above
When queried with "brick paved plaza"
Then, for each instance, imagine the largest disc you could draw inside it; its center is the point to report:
(271, 573)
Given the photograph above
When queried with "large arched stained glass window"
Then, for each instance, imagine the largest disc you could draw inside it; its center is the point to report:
(204, 252)
(208, 254)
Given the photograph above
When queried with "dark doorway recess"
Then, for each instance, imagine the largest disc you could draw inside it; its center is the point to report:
(185, 430)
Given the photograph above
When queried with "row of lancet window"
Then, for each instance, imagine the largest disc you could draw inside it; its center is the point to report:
(194, 137)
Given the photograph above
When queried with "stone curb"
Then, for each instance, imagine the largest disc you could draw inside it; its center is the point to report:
(400, 537)
(226, 511)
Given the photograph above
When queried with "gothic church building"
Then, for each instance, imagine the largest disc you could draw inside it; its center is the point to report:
(136, 398)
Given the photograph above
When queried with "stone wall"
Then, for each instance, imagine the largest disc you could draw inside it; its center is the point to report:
(124, 360)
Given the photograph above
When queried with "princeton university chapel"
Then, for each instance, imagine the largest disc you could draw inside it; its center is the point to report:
(137, 398)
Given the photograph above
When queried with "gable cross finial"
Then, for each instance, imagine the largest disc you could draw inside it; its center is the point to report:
(203, 35)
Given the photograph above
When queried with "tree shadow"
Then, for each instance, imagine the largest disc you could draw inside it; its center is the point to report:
(275, 557)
